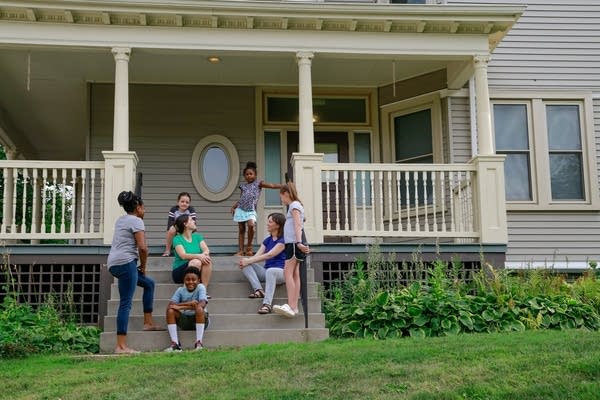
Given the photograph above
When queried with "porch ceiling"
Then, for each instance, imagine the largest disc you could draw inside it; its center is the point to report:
(50, 50)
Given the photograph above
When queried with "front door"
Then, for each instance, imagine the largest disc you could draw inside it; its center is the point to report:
(334, 146)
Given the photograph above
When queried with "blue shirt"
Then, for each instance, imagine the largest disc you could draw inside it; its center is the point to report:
(279, 260)
(182, 295)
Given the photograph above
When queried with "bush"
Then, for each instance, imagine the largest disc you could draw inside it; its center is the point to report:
(24, 330)
(442, 305)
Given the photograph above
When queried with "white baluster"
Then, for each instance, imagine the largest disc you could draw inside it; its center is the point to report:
(5, 200)
(102, 200)
(346, 200)
(53, 216)
(416, 185)
(13, 228)
(64, 200)
(24, 199)
(434, 190)
(327, 201)
(354, 199)
(372, 180)
(44, 187)
(34, 202)
(83, 193)
(390, 201)
(91, 190)
(336, 183)
(408, 199)
(425, 202)
(398, 186)
(443, 199)
(364, 201)
(453, 209)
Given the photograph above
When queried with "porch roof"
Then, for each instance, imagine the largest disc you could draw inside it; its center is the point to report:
(50, 50)
(491, 20)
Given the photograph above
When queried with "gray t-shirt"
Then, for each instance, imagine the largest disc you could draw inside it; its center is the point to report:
(289, 232)
(123, 248)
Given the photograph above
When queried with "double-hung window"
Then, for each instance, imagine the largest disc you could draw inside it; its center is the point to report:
(548, 143)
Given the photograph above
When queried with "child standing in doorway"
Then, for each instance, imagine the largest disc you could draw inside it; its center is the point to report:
(244, 210)
(183, 207)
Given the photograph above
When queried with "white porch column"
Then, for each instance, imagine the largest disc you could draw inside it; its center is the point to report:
(305, 112)
(490, 200)
(120, 164)
(121, 122)
(484, 119)
(307, 178)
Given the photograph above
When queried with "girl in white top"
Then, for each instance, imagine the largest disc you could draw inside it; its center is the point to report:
(295, 249)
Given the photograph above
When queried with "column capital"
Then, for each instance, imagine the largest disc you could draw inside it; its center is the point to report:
(304, 56)
(481, 60)
(121, 53)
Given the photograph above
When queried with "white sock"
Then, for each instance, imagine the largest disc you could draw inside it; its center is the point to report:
(172, 328)
(199, 331)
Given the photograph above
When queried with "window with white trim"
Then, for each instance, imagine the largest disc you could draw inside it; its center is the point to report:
(549, 152)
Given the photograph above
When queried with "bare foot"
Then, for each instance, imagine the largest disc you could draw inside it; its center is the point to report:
(125, 350)
(166, 254)
(148, 327)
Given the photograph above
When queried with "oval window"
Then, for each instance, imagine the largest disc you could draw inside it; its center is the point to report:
(215, 167)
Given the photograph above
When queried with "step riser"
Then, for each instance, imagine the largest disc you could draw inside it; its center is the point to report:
(217, 306)
(217, 290)
(232, 321)
(164, 276)
(158, 341)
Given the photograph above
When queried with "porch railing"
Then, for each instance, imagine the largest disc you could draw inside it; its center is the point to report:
(399, 200)
(52, 199)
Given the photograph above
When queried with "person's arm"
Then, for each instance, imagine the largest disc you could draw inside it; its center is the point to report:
(234, 206)
(205, 255)
(259, 256)
(140, 241)
(298, 230)
(268, 185)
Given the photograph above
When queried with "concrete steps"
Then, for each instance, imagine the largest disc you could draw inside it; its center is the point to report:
(234, 321)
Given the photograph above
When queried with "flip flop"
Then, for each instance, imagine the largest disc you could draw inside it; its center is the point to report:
(126, 350)
(166, 254)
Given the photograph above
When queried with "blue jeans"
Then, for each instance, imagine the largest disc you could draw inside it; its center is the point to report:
(129, 277)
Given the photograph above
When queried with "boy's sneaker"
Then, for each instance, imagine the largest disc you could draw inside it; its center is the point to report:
(173, 347)
(284, 310)
(198, 346)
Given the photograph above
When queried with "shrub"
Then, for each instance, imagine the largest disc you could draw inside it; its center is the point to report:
(441, 305)
(24, 330)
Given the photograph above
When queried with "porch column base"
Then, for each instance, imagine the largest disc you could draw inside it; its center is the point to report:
(491, 199)
(120, 174)
(307, 178)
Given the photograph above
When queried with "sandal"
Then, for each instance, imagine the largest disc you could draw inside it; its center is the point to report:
(239, 253)
(257, 294)
(166, 254)
(265, 309)
(249, 251)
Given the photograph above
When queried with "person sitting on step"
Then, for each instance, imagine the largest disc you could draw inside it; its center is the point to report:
(187, 309)
(272, 254)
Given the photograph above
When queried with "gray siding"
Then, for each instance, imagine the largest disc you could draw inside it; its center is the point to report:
(555, 43)
(166, 122)
(460, 124)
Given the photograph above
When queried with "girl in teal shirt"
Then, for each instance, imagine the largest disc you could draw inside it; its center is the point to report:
(190, 250)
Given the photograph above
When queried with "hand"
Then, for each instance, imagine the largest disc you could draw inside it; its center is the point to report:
(204, 258)
(303, 248)
(243, 262)
(142, 269)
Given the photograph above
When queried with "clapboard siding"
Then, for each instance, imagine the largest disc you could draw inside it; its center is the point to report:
(166, 122)
(460, 126)
(554, 44)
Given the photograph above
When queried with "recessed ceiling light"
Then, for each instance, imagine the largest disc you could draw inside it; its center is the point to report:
(214, 59)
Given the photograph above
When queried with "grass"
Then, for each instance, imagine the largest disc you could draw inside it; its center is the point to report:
(526, 365)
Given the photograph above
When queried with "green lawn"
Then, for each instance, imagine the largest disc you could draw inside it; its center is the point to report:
(528, 365)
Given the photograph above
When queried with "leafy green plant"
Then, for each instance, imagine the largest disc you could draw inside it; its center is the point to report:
(24, 330)
(442, 304)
